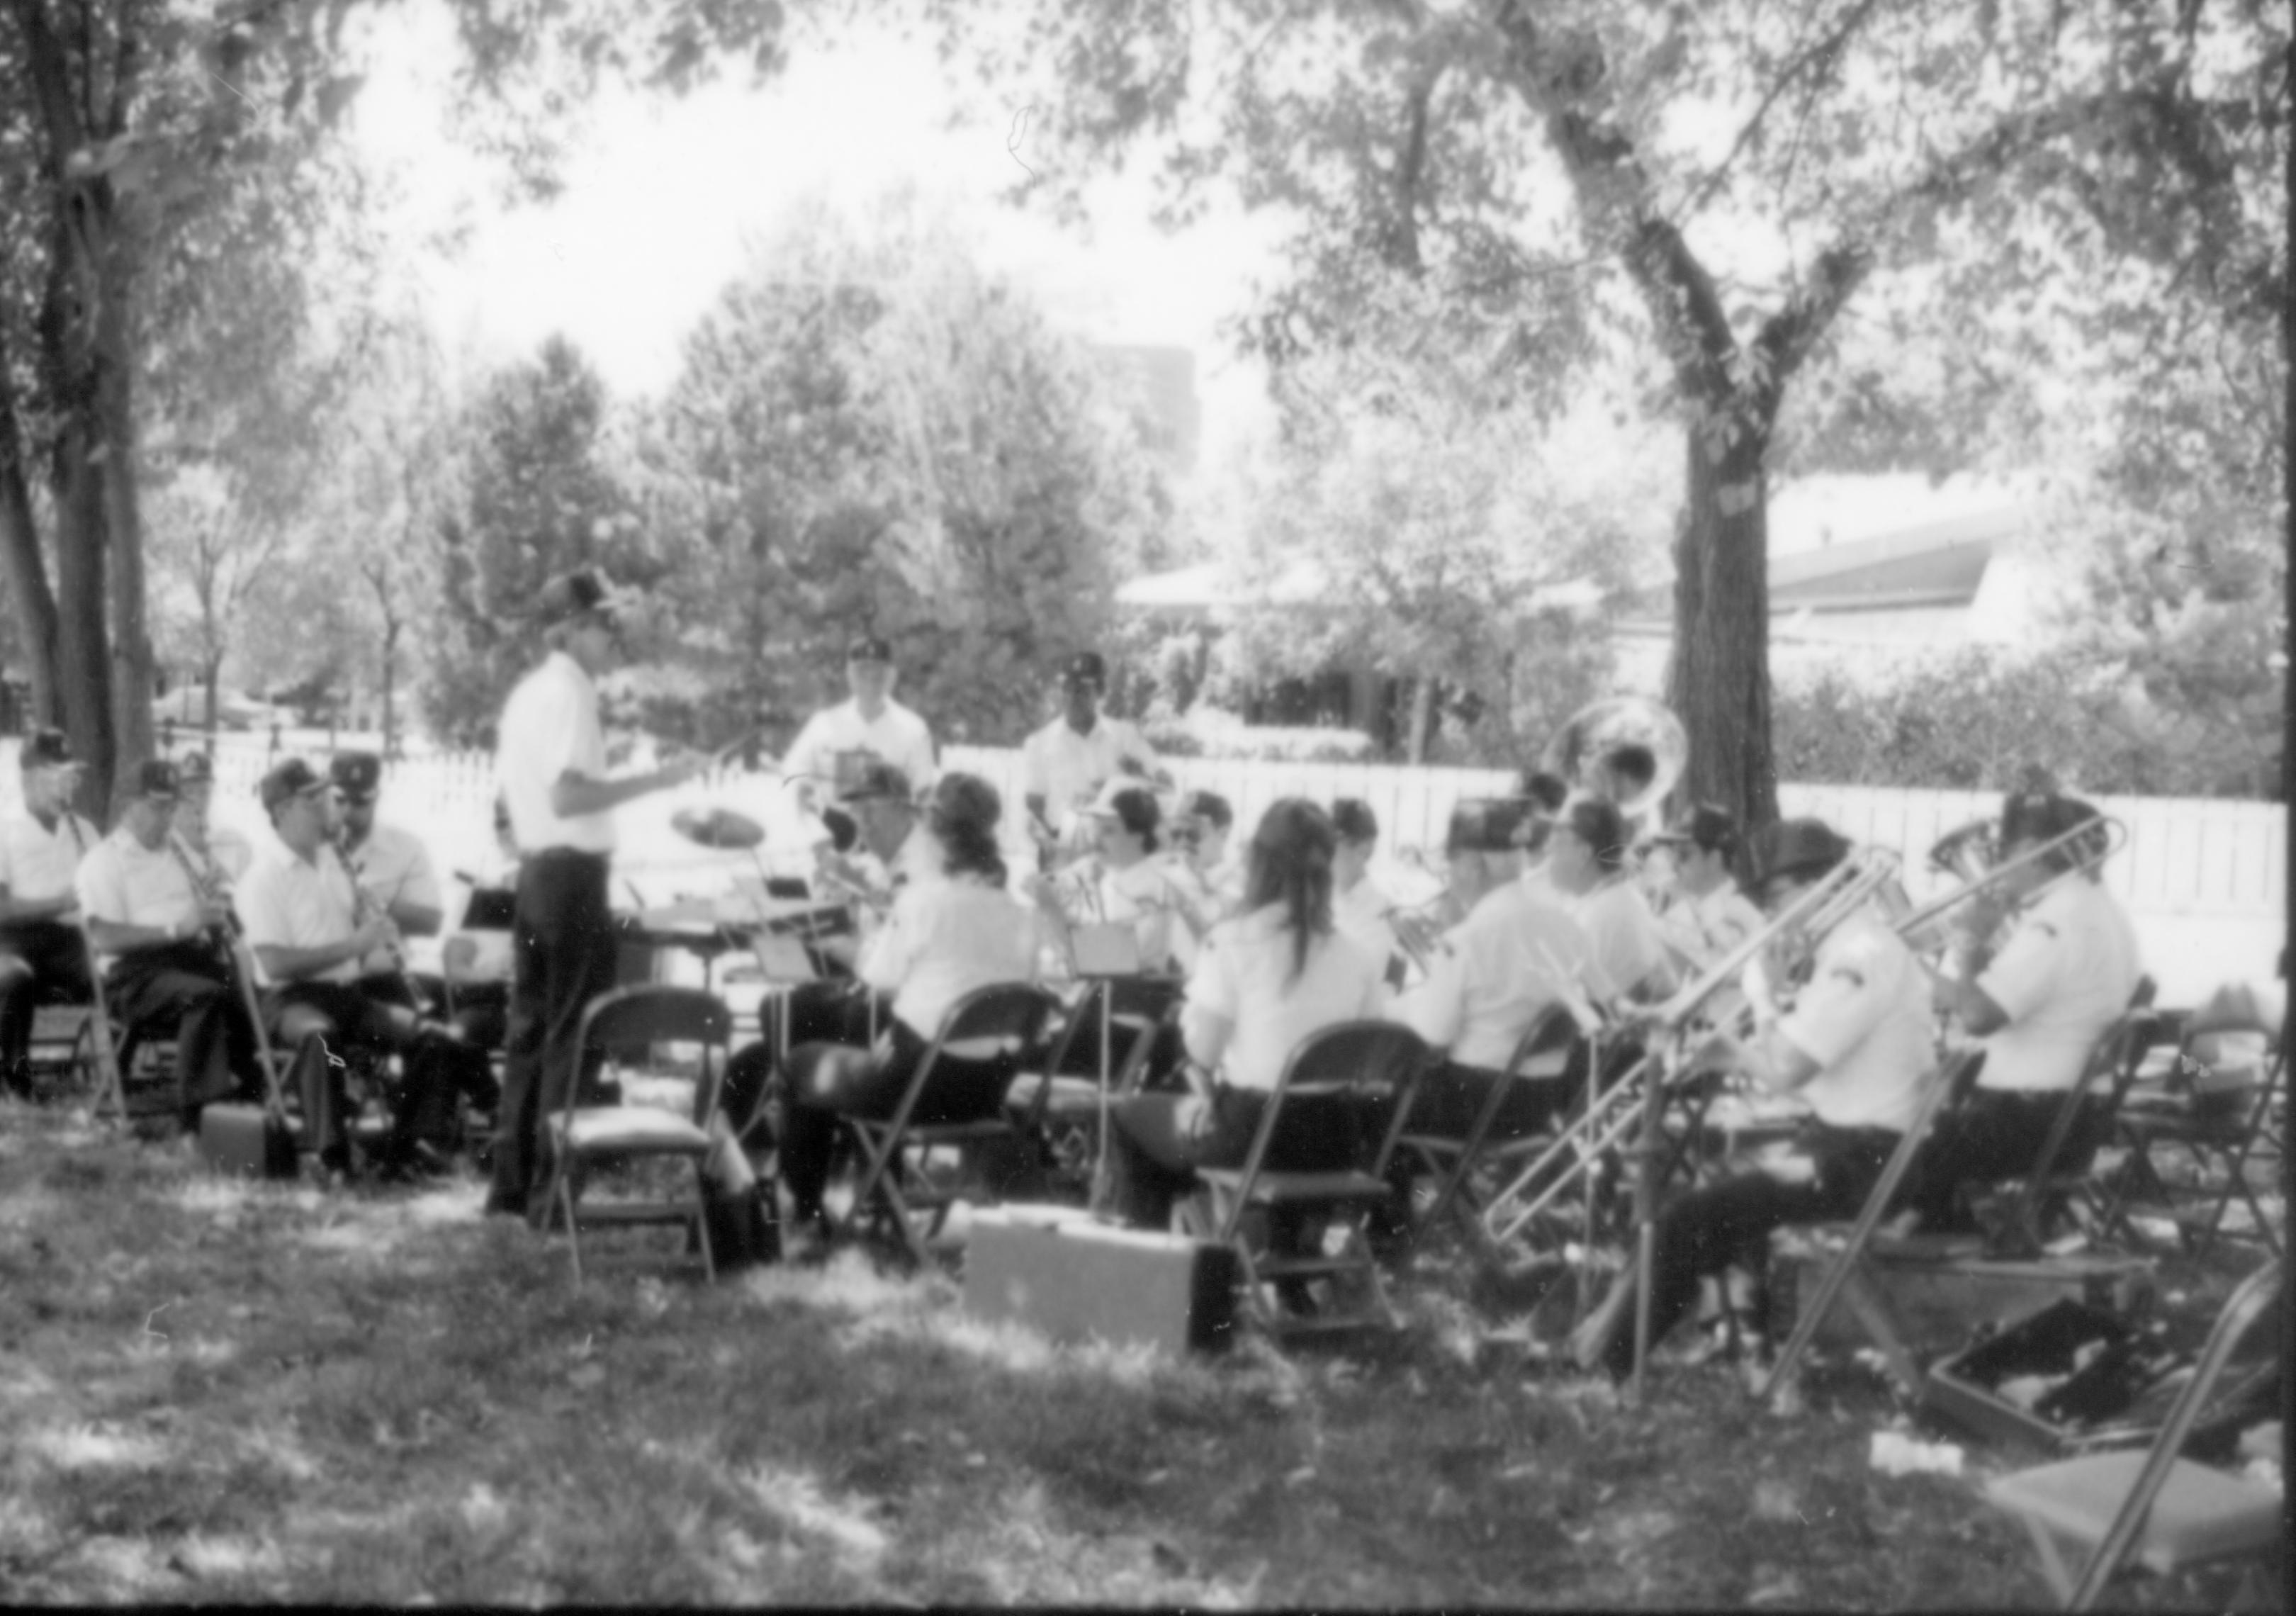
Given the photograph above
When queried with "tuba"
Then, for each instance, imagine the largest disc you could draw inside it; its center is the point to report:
(1601, 728)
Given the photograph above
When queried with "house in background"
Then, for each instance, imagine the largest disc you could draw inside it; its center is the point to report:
(1873, 577)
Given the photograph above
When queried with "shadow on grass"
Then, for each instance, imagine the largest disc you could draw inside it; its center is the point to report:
(216, 1392)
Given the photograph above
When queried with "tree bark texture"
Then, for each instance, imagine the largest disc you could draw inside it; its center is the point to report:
(1717, 675)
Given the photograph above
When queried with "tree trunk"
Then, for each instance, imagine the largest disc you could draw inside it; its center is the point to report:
(391, 631)
(210, 670)
(1422, 715)
(1718, 676)
(115, 407)
(21, 570)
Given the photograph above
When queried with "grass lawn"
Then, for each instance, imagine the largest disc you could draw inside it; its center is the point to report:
(212, 1391)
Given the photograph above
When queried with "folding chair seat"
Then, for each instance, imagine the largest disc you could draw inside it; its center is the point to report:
(1369, 1064)
(1113, 1025)
(2188, 1152)
(1450, 1162)
(626, 1020)
(2155, 1508)
(998, 1025)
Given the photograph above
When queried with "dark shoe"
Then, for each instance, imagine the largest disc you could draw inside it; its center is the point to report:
(604, 1091)
(502, 1205)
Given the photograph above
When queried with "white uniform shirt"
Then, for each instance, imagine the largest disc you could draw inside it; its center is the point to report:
(943, 939)
(394, 868)
(2065, 975)
(1244, 977)
(287, 903)
(1865, 1018)
(1498, 968)
(37, 863)
(1067, 769)
(1362, 913)
(1624, 934)
(128, 884)
(229, 851)
(1708, 926)
(1140, 896)
(549, 725)
(896, 735)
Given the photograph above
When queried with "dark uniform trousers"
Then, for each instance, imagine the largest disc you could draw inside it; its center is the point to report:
(1720, 1226)
(42, 962)
(187, 987)
(838, 1012)
(1993, 1136)
(563, 943)
(324, 1023)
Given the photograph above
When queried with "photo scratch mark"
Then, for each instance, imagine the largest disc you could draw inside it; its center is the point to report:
(1015, 135)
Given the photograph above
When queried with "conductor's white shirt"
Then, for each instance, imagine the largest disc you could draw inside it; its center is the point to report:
(2065, 975)
(1865, 1018)
(1244, 976)
(896, 736)
(37, 863)
(549, 725)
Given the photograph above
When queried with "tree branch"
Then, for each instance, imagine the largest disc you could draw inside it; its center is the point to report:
(1788, 336)
(1821, 52)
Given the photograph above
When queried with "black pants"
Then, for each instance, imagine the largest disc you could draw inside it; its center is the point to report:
(1445, 1105)
(1720, 1226)
(563, 945)
(831, 1081)
(1993, 1136)
(324, 1023)
(42, 962)
(815, 1013)
(1156, 1142)
(188, 987)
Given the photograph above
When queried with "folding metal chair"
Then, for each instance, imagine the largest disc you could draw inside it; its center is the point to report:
(640, 1016)
(1373, 1064)
(1111, 1031)
(998, 1024)
(2166, 1513)
(2220, 1143)
(2057, 1180)
(1451, 1161)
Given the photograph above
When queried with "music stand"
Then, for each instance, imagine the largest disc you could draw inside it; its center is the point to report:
(1103, 952)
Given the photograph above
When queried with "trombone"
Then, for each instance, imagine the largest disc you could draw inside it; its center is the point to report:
(1609, 1116)
(1972, 852)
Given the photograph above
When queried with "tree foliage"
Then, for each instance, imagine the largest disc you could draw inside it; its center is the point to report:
(868, 434)
(1716, 182)
(537, 496)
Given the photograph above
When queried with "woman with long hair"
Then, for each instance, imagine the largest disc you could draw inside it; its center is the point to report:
(942, 940)
(1266, 979)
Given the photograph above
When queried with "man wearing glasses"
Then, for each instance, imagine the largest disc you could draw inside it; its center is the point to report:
(551, 762)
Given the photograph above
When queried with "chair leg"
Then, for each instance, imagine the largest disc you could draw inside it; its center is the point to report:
(562, 1197)
(701, 1217)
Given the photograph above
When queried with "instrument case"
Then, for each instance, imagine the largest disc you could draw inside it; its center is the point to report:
(246, 1142)
(1056, 1271)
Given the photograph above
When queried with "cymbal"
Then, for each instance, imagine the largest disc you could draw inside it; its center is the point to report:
(717, 827)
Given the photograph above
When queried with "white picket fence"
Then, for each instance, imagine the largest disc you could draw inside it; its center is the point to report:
(2203, 879)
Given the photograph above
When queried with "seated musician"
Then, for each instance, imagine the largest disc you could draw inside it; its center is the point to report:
(220, 854)
(943, 939)
(2064, 973)
(1360, 905)
(1200, 863)
(1854, 1046)
(1486, 980)
(318, 941)
(390, 864)
(1124, 884)
(475, 964)
(42, 956)
(1545, 795)
(1277, 972)
(891, 853)
(161, 932)
(1586, 864)
(1708, 915)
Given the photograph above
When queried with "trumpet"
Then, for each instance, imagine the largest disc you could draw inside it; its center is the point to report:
(1815, 912)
